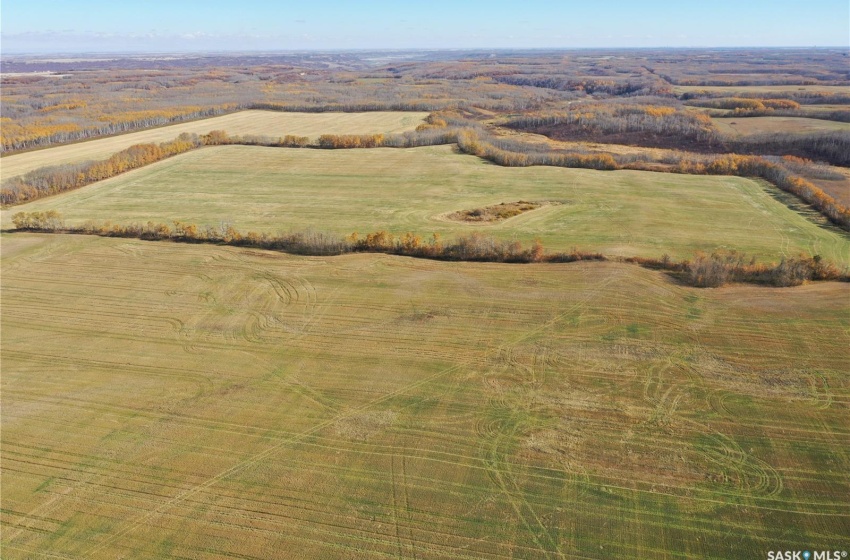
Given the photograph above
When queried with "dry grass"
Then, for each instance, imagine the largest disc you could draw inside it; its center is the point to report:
(264, 123)
(164, 400)
(495, 213)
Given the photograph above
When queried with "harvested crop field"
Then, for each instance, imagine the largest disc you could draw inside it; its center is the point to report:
(737, 126)
(167, 400)
(411, 190)
(263, 123)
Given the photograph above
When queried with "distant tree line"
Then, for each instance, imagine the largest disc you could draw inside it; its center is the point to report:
(42, 111)
(590, 86)
(121, 95)
(743, 107)
(670, 127)
(830, 147)
(648, 125)
(703, 270)
(17, 137)
(805, 97)
(745, 103)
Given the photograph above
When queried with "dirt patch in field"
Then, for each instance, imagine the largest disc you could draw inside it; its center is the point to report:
(496, 212)
(363, 426)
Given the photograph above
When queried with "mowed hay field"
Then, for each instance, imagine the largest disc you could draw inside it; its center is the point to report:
(776, 125)
(264, 123)
(400, 190)
(167, 400)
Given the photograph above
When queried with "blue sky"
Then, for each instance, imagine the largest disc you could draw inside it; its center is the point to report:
(194, 25)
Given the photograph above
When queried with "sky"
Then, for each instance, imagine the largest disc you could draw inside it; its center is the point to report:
(64, 26)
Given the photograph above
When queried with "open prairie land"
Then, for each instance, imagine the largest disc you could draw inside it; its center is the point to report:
(774, 125)
(263, 123)
(167, 400)
(341, 191)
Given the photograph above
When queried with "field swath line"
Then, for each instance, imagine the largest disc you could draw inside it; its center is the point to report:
(322, 425)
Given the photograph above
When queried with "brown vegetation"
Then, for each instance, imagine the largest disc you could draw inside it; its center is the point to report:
(744, 104)
(494, 213)
(721, 268)
(470, 142)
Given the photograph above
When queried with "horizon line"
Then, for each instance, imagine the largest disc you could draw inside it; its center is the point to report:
(4, 53)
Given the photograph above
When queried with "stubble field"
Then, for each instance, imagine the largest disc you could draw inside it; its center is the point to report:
(630, 213)
(253, 122)
(167, 400)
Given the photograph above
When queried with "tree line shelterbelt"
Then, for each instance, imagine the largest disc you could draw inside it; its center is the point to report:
(703, 270)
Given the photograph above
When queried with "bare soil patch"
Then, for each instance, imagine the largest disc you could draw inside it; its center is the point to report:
(497, 212)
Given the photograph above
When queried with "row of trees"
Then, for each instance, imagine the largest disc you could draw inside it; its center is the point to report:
(16, 136)
(777, 174)
(830, 147)
(704, 270)
(473, 247)
(723, 267)
(55, 179)
(629, 124)
(806, 97)
(747, 103)
(473, 143)
(645, 85)
(757, 107)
